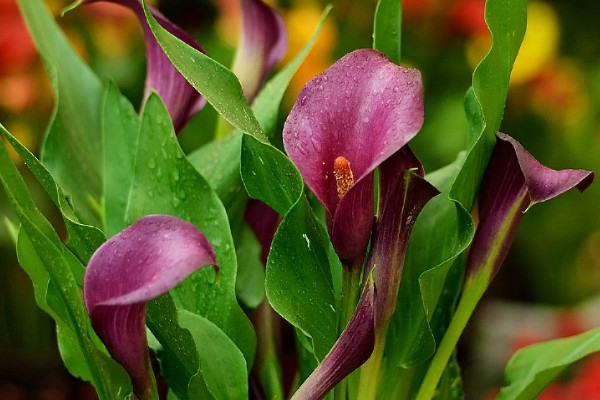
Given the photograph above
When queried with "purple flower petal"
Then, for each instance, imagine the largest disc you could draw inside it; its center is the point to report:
(140, 263)
(513, 182)
(345, 123)
(403, 192)
(180, 98)
(263, 43)
(351, 350)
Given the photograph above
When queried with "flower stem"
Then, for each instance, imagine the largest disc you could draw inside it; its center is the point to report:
(370, 372)
(350, 292)
(472, 293)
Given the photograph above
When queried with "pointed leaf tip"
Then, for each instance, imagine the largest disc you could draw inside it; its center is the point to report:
(140, 263)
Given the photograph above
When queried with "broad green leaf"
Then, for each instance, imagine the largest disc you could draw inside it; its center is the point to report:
(56, 275)
(219, 86)
(72, 149)
(222, 365)
(387, 29)
(299, 285)
(120, 130)
(83, 239)
(533, 368)
(166, 183)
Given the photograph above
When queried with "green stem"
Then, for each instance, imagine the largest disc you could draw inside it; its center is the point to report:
(267, 363)
(370, 372)
(350, 292)
(473, 291)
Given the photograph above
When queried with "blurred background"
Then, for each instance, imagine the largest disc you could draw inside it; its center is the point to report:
(550, 283)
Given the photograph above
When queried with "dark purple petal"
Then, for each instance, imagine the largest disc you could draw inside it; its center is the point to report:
(403, 192)
(513, 182)
(263, 221)
(180, 98)
(362, 110)
(351, 350)
(263, 43)
(140, 263)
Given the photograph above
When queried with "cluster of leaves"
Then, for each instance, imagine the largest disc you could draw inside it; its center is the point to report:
(104, 167)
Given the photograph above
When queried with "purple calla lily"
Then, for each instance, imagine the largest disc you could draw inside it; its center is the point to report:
(346, 122)
(140, 263)
(514, 181)
(403, 192)
(263, 44)
(180, 98)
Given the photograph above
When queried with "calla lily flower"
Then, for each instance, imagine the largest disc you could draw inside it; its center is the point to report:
(180, 98)
(346, 122)
(263, 44)
(140, 263)
(514, 182)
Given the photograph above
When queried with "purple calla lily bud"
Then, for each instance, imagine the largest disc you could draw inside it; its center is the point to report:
(403, 192)
(263, 43)
(346, 122)
(514, 181)
(180, 98)
(140, 263)
(351, 350)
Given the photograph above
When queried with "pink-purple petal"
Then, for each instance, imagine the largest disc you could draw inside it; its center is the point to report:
(140, 263)
(180, 98)
(263, 43)
(263, 221)
(351, 350)
(364, 108)
(513, 182)
(403, 192)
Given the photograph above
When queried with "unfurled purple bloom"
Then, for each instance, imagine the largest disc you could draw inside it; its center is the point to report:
(346, 122)
(180, 98)
(263, 42)
(140, 263)
(351, 350)
(514, 181)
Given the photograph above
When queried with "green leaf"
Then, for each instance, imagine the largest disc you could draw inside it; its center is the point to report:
(484, 103)
(179, 354)
(166, 183)
(387, 29)
(215, 82)
(120, 128)
(72, 149)
(250, 283)
(56, 275)
(83, 239)
(533, 368)
(222, 365)
(299, 285)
